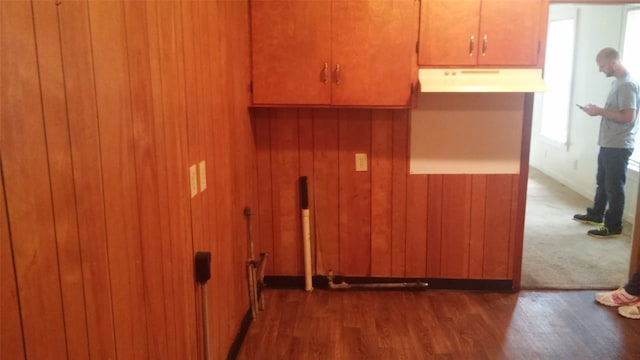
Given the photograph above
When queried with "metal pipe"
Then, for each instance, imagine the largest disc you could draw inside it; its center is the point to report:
(398, 285)
(205, 316)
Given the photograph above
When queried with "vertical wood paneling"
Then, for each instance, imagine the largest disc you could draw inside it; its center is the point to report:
(61, 176)
(85, 147)
(305, 143)
(194, 109)
(118, 171)
(515, 229)
(175, 127)
(236, 41)
(354, 136)
(195, 57)
(435, 205)
(441, 226)
(264, 229)
(477, 225)
(218, 197)
(326, 205)
(286, 206)
(225, 198)
(151, 220)
(497, 226)
(210, 230)
(218, 186)
(399, 193)
(456, 217)
(116, 99)
(381, 191)
(148, 119)
(28, 195)
(11, 335)
(416, 244)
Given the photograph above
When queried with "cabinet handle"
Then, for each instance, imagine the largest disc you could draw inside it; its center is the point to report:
(484, 45)
(337, 74)
(471, 41)
(325, 73)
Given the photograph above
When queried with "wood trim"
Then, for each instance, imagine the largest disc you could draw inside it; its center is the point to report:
(518, 243)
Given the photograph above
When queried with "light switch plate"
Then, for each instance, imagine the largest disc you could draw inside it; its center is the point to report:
(193, 180)
(361, 162)
(203, 175)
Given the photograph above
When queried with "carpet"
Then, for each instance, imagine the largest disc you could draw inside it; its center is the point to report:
(557, 252)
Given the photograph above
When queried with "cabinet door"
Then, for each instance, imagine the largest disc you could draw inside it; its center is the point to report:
(512, 31)
(374, 48)
(290, 42)
(449, 32)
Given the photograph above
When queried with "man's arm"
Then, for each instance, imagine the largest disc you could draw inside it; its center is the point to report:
(622, 116)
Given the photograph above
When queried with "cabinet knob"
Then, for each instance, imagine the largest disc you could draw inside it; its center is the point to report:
(337, 72)
(472, 39)
(484, 45)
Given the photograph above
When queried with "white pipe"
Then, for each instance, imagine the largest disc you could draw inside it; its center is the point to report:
(306, 238)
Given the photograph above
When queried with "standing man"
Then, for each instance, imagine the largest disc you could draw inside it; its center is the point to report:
(618, 127)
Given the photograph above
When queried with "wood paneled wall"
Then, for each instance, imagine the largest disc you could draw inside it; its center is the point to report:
(382, 222)
(104, 106)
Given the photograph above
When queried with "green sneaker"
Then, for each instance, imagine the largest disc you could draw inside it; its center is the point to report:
(604, 232)
(588, 219)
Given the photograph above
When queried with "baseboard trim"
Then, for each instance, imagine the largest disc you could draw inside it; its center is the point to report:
(234, 350)
(321, 282)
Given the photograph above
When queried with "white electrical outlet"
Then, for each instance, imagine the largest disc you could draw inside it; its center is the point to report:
(193, 180)
(361, 162)
(203, 175)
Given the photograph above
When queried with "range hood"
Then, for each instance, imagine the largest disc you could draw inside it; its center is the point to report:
(481, 80)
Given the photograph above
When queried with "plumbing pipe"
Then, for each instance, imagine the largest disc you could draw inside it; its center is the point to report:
(203, 274)
(306, 234)
(342, 285)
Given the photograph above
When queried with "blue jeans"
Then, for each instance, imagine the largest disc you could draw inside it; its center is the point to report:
(612, 174)
(633, 286)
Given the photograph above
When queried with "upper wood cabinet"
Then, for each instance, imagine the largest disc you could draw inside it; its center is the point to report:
(359, 53)
(482, 32)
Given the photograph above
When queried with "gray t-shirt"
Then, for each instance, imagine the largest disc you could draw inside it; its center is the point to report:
(624, 94)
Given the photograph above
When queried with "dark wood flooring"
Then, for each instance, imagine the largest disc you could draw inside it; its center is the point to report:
(437, 324)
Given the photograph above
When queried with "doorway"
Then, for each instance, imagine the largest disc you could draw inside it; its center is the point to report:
(557, 252)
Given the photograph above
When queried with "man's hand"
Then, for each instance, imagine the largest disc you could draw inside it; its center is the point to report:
(592, 110)
(622, 116)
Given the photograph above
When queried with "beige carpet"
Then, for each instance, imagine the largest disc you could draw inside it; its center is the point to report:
(557, 252)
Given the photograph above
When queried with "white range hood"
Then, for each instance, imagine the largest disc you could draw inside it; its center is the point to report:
(481, 80)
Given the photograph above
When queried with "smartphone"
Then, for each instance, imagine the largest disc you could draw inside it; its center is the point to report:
(580, 106)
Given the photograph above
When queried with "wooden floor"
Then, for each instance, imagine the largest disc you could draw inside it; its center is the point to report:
(437, 324)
